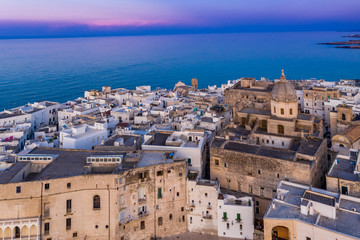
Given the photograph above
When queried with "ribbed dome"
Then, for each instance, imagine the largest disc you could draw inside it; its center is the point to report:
(283, 91)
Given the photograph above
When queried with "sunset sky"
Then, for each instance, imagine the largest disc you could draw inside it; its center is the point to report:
(121, 17)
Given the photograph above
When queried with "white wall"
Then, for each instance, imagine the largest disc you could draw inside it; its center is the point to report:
(202, 195)
(234, 230)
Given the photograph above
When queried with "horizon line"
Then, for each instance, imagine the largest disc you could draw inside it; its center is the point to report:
(160, 34)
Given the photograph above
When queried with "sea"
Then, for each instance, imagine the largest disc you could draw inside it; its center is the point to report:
(61, 69)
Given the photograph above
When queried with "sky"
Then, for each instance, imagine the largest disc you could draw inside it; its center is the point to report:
(24, 18)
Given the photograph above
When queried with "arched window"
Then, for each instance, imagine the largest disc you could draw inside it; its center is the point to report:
(96, 202)
(343, 117)
(280, 129)
(341, 145)
(17, 232)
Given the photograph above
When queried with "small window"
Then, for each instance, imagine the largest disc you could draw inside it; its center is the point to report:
(68, 206)
(280, 129)
(343, 117)
(278, 175)
(159, 193)
(96, 202)
(282, 111)
(160, 221)
(68, 185)
(261, 191)
(46, 228)
(225, 165)
(170, 216)
(307, 238)
(274, 110)
(47, 186)
(142, 225)
(180, 174)
(206, 194)
(177, 194)
(75, 234)
(18, 189)
(291, 111)
(259, 172)
(68, 224)
(189, 161)
(217, 162)
(159, 173)
(227, 225)
(182, 209)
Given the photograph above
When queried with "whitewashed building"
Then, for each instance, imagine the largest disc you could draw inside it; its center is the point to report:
(188, 144)
(303, 212)
(84, 136)
(202, 205)
(235, 216)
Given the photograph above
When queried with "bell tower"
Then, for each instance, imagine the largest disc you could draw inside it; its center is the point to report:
(194, 83)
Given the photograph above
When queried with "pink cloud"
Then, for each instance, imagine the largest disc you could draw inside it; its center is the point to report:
(114, 23)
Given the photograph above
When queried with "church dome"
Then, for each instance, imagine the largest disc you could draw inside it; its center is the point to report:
(283, 91)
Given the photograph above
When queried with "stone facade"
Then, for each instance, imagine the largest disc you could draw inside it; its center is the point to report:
(258, 175)
(137, 203)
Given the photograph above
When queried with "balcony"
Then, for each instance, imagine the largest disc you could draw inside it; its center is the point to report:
(46, 213)
(209, 207)
(31, 237)
(225, 219)
(207, 216)
(143, 214)
(192, 205)
(238, 220)
(142, 199)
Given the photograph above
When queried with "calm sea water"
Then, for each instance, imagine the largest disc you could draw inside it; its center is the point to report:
(61, 69)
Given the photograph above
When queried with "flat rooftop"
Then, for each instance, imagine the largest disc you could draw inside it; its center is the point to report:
(71, 162)
(256, 111)
(346, 221)
(344, 169)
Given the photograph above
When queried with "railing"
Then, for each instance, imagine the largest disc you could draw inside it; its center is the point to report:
(207, 216)
(192, 205)
(209, 207)
(143, 214)
(225, 219)
(142, 199)
(238, 220)
(130, 218)
(47, 214)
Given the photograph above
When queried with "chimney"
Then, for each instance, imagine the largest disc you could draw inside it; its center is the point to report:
(311, 211)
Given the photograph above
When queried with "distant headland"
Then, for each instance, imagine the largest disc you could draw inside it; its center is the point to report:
(352, 44)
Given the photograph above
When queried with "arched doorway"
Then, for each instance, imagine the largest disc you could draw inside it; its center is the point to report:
(24, 232)
(16, 232)
(1, 234)
(33, 231)
(7, 233)
(280, 233)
